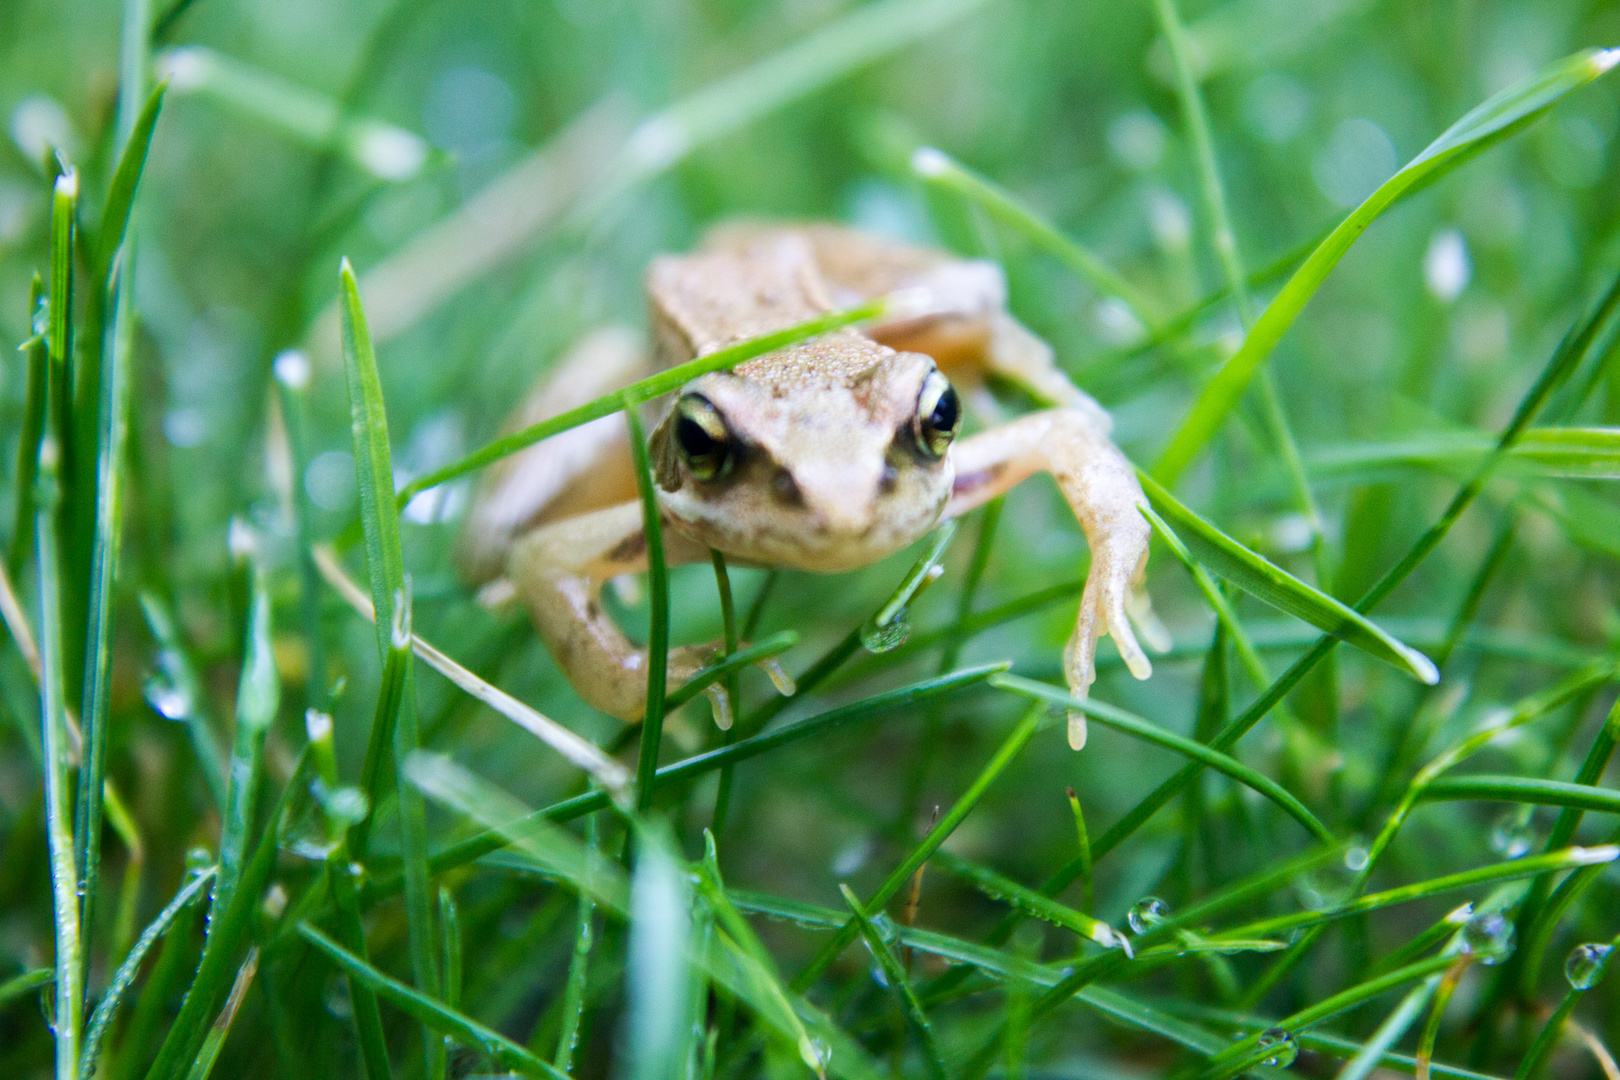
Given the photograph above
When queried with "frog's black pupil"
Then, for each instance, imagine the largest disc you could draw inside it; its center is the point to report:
(943, 418)
(696, 441)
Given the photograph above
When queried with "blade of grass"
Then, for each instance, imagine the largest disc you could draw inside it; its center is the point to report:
(1142, 729)
(1488, 123)
(137, 142)
(384, 718)
(659, 1023)
(939, 169)
(257, 698)
(384, 150)
(898, 982)
(1033, 903)
(474, 847)
(19, 986)
(1535, 1059)
(385, 566)
(1523, 789)
(429, 1012)
(214, 1041)
(573, 1008)
(291, 372)
(733, 687)
(122, 823)
(223, 944)
(645, 390)
(450, 933)
(69, 963)
(1016, 740)
(112, 443)
(1563, 361)
(581, 752)
(368, 1027)
(37, 357)
(1282, 590)
(652, 720)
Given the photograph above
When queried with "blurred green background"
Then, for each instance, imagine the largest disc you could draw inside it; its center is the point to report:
(501, 176)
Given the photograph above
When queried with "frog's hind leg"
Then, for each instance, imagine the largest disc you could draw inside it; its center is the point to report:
(580, 470)
(558, 570)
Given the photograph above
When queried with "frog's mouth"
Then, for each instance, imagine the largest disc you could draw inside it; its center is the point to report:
(807, 538)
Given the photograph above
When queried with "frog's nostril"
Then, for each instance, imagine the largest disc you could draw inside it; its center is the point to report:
(786, 489)
(890, 477)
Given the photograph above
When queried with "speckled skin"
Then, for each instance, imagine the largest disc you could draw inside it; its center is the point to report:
(829, 476)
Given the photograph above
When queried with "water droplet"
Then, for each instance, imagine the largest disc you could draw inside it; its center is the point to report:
(1511, 835)
(1489, 936)
(885, 928)
(1280, 1042)
(879, 977)
(891, 635)
(1356, 858)
(816, 1053)
(1147, 913)
(166, 693)
(1586, 965)
(199, 858)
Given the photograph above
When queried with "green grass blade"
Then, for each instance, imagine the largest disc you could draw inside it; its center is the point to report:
(1142, 729)
(112, 448)
(573, 1007)
(374, 772)
(107, 1008)
(384, 150)
(227, 934)
(1524, 789)
(429, 1012)
(37, 356)
(1005, 754)
(56, 752)
(644, 390)
(126, 179)
(652, 531)
(659, 986)
(385, 567)
(898, 982)
(1483, 126)
(1033, 903)
(19, 986)
(939, 169)
(450, 935)
(368, 1027)
(257, 698)
(214, 1041)
(1282, 590)
(476, 846)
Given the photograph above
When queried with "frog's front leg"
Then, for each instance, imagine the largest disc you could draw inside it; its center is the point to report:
(558, 571)
(1100, 486)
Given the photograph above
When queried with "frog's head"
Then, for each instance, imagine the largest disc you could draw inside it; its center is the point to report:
(825, 456)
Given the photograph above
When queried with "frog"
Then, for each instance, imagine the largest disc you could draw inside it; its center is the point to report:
(822, 456)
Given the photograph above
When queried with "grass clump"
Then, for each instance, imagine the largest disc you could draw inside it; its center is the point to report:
(1362, 818)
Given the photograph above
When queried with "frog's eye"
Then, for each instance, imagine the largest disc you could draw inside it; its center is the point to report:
(939, 414)
(700, 432)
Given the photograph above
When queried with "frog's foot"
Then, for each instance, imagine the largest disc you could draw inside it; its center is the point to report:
(687, 661)
(1100, 487)
(1105, 606)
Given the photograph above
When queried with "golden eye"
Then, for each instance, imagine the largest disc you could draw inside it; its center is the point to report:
(939, 414)
(701, 435)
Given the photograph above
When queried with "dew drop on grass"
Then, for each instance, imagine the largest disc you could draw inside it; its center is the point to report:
(1356, 858)
(879, 977)
(1282, 1046)
(885, 928)
(199, 859)
(1586, 965)
(891, 635)
(1512, 835)
(1489, 936)
(1147, 913)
